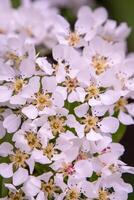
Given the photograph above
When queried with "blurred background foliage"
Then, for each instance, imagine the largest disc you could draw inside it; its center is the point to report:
(121, 11)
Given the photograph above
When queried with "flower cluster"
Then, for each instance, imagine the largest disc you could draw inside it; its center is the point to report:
(58, 114)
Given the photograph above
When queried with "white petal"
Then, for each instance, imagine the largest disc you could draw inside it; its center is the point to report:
(20, 176)
(109, 125)
(27, 68)
(93, 136)
(83, 168)
(2, 130)
(6, 170)
(5, 149)
(32, 186)
(125, 118)
(6, 72)
(5, 93)
(81, 110)
(58, 99)
(44, 65)
(12, 123)
(49, 84)
(18, 100)
(110, 97)
(30, 111)
(99, 110)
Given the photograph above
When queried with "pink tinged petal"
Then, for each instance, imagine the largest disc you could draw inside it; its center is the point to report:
(81, 110)
(110, 97)
(93, 136)
(30, 111)
(2, 130)
(12, 123)
(5, 149)
(20, 176)
(6, 170)
(109, 125)
(83, 168)
(5, 93)
(125, 118)
(32, 186)
(18, 100)
(49, 84)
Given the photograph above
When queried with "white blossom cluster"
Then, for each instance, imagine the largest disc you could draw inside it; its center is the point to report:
(58, 115)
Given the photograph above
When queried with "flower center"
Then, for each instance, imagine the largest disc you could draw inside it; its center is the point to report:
(99, 63)
(49, 150)
(73, 39)
(16, 196)
(15, 58)
(33, 140)
(67, 169)
(72, 194)
(120, 104)
(19, 159)
(57, 124)
(71, 84)
(103, 195)
(18, 85)
(48, 188)
(42, 101)
(90, 123)
(92, 91)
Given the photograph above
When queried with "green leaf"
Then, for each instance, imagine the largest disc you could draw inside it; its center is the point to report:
(16, 3)
(129, 178)
(3, 189)
(119, 134)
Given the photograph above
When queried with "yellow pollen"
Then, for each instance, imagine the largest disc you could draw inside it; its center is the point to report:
(72, 194)
(71, 84)
(90, 123)
(73, 39)
(120, 104)
(103, 195)
(19, 159)
(57, 124)
(42, 101)
(16, 196)
(15, 58)
(18, 85)
(49, 150)
(33, 140)
(92, 91)
(99, 63)
(49, 187)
